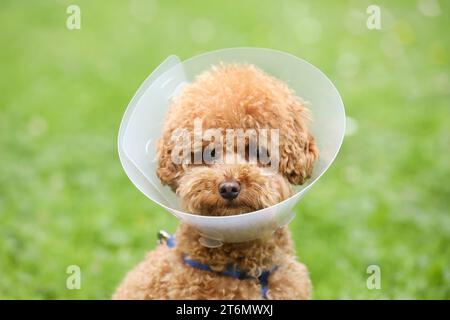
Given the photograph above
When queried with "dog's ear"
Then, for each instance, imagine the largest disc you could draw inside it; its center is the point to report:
(298, 149)
(167, 171)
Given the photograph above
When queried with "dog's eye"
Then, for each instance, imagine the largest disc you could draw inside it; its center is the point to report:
(213, 153)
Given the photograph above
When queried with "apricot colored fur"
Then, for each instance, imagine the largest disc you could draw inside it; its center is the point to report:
(236, 96)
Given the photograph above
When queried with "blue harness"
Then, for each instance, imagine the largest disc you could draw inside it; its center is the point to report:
(230, 271)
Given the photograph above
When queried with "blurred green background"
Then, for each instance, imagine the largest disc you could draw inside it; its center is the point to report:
(65, 200)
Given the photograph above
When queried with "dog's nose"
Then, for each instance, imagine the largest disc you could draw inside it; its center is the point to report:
(229, 189)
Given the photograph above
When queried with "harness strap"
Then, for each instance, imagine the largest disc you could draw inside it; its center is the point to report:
(230, 271)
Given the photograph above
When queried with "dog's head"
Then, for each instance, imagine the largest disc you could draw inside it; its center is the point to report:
(234, 141)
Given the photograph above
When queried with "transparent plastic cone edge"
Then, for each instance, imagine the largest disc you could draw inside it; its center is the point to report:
(144, 117)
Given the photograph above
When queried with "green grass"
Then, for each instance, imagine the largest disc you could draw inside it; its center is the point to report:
(64, 198)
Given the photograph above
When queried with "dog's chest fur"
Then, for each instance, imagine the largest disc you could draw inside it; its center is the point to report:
(164, 275)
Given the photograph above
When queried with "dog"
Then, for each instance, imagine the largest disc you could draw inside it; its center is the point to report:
(229, 96)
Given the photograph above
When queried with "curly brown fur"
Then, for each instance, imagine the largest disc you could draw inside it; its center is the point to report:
(260, 188)
(241, 97)
(163, 275)
(234, 96)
